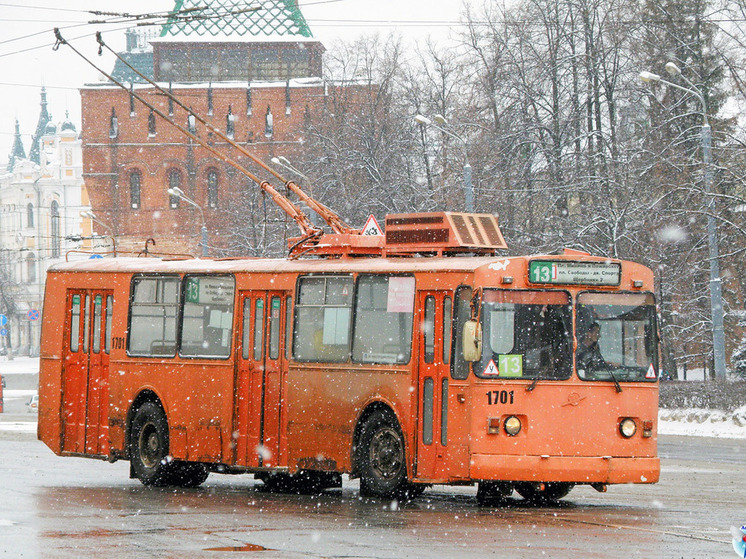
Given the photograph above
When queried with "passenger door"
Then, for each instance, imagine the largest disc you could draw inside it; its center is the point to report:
(261, 374)
(435, 308)
(86, 372)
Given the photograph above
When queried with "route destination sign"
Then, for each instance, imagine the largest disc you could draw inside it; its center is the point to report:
(563, 272)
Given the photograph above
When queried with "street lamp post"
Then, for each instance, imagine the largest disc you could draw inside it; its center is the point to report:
(179, 193)
(716, 294)
(92, 216)
(468, 186)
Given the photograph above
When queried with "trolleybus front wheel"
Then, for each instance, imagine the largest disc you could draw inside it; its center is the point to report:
(383, 466)
(543, 493)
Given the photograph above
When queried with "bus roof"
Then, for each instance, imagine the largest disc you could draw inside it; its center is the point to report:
(321, 265)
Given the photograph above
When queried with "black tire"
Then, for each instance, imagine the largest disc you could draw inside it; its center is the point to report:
(188, 474)
(149, 446)
(491, 493)
(382, 459)
(553, 491)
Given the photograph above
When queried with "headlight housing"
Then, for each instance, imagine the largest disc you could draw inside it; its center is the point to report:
(512, 425)
(627, 427)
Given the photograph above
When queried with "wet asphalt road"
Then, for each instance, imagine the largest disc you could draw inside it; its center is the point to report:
(77, 507)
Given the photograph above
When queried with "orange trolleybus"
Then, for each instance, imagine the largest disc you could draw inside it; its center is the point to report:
(415, 358)
(533, 373)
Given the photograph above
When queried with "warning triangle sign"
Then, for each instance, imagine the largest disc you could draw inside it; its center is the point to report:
(491, 370)
(371, 227)
(651, 372)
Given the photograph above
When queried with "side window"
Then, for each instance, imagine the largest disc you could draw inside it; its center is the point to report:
(246, 329)
(75, 325)
(86, 323)
(428, 330)
(384, 311)
(109, 315)
(258, 328)
(97, 308)
(274, 327)
(447, 325)
(322, 319)
(207, 321)
(288, 325)
(154, 305)
(459, 367)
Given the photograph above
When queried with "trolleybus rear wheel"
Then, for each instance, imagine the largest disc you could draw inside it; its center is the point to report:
(149, 446)
(553, 491)
(383, 465)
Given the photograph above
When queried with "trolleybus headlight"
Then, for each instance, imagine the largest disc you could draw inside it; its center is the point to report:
(512, 425)
(627, 427)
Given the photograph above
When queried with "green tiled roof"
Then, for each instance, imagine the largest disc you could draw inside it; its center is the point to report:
(225, 18)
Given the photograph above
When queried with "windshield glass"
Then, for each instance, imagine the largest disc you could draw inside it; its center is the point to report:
(616, 337)
(525, 334)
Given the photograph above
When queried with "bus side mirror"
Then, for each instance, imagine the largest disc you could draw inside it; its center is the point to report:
(472, 341)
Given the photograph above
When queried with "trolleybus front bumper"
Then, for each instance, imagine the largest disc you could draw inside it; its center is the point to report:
(575, 469)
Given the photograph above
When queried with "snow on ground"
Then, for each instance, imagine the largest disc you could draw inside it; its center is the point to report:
(20, 365)
(692, 422)
(703, 423)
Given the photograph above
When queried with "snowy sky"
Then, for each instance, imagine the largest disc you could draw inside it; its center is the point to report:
(27, 60)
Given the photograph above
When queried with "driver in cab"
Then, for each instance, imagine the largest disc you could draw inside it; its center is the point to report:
(588, 356)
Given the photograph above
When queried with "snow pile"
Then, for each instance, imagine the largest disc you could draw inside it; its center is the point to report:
(701, 422)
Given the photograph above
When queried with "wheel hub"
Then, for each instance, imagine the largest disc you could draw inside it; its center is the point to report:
(386, 453)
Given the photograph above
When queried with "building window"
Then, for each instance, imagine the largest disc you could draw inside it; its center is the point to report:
(279, 64)
(113, 124)
(269, 123)
(135, 182)
(56, 238)
(212, 189)
(31, 267)
(30, 215)
(230, 123)
(151, 124)
(174, 181)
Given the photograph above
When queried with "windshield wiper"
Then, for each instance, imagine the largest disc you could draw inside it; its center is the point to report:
(613, 377)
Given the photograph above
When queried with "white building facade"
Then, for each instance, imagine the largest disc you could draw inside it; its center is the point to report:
(40, 222)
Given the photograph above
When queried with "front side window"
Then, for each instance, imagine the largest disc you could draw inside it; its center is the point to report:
(207, 322)
(525, 334)
(459, 367)
(616, 335)
(384, 310)
(322, 319)
(153, 312)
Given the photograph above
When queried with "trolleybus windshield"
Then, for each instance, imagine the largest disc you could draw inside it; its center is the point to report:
(616, 337)
(526, 334)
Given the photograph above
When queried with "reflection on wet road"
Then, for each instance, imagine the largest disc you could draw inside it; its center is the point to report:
(70, 507)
